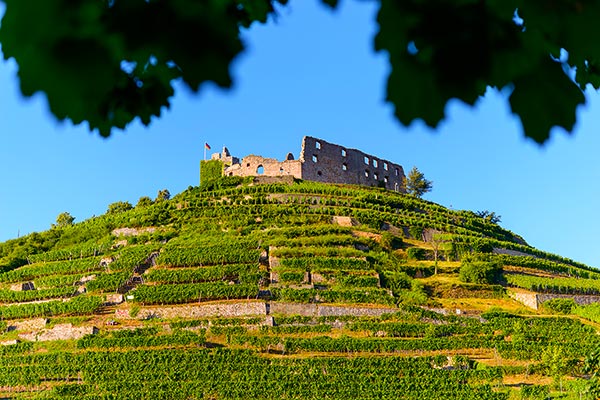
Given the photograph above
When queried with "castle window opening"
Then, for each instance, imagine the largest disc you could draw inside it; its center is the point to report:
(375, 176)
(260, 170)
(344, 167)
(318, 145)
(385, 166)
(248, 165)
(366, 173)
(397, 172)
(396, 187)
(319, 173)
(343, 153)
(375, 163)
(366, 160)
(281, 170)
(315, 158)
(386, 179)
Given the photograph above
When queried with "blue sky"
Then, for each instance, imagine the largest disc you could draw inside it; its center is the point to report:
(311, 72)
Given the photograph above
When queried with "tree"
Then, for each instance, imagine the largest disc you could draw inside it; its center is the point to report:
(437, 241)
(416, 184)
(119, 207)
(64, 219)
(144, 201)
(163, 195)
(480, 272)
(490, 216)
(98, 67)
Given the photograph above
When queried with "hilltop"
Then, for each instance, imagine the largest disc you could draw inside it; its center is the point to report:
(293, 290)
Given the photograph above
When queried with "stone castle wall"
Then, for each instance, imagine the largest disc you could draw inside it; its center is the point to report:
(321, 161)
(330, 163)
(257, 166)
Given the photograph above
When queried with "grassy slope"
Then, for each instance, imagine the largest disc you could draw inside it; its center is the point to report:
(212, 245)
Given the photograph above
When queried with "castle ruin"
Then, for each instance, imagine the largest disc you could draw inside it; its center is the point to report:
(319, 161)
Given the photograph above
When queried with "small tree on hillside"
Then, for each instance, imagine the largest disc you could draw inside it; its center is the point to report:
(119, 207)
(490, 216)
(416, 184)
(437, 241)
(144, 201)
(163, 195)
(64, 219)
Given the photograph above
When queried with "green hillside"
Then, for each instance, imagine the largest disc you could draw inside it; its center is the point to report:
(236, 290)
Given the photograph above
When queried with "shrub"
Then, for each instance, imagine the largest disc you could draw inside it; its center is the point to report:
(119, 207)
(395, 281)
(390, 242)
(560, 306)
(416, 232)
(480, 272)
(415, 253)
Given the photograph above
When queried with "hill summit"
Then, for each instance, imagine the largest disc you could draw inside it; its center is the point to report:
(305, 290)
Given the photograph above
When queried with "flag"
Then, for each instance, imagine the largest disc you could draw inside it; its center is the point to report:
(206, 146)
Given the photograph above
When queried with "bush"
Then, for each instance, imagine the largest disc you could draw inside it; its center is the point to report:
(390, 242)
(416, 253)
(395, 281)
(559, 306)
(480, 272)
(416, 232)
(119, 207)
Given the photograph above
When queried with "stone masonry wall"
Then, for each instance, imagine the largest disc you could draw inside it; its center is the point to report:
(528, 299)
(321, 161)
(330, 163)
(251, 166)
(534, 300)
(237, 309)
(316, 310)
(251, 308)
(60, 332)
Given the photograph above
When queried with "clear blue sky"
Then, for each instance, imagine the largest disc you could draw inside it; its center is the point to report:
(311, 72)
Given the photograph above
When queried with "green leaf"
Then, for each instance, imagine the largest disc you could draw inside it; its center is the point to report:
(331, 3)
(545, 98)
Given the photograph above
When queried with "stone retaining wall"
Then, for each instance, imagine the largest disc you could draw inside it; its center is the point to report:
(533, 300)
(60, 332)
(252, 308)
(316, 310)
(199, 311)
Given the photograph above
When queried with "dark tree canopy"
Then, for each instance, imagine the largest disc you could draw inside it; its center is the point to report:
(163, 195)
(108, 62)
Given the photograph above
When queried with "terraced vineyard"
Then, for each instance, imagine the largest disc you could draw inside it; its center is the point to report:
(301, 291)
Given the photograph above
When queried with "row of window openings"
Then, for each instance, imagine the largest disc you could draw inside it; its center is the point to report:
(261, 170)
(376, 176)
(366, 159)
(318, 147)
(315, 159)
